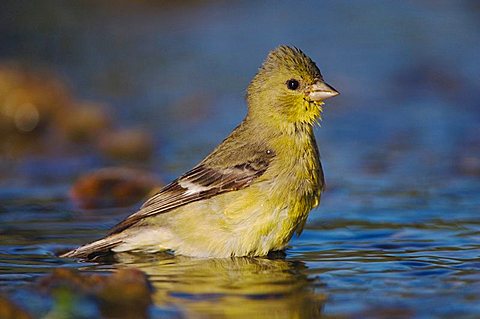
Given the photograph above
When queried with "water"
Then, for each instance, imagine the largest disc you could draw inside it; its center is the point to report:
(397, 231)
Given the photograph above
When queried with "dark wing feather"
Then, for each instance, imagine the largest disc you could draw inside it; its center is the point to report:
(205, 182)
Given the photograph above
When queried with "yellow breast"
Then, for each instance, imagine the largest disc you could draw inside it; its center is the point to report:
(278, 204)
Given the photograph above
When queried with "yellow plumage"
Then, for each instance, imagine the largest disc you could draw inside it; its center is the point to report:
(254, 190)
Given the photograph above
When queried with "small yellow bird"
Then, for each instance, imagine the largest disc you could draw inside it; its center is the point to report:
(254, 190)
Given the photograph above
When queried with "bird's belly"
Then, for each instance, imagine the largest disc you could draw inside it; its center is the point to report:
(249, 222)
(255, 235)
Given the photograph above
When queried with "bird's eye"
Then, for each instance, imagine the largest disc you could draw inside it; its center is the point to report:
(292, 84)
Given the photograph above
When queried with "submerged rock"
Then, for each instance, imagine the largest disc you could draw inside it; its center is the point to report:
(84, 122)
(113, 187)
(9, 310)
(124, 294)
(127, 145)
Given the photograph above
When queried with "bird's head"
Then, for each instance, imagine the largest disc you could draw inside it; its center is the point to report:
(288, 88)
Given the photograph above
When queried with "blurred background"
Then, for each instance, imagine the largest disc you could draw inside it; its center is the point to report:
(100, 103)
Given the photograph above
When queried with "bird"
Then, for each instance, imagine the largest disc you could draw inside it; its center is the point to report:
(254, 191)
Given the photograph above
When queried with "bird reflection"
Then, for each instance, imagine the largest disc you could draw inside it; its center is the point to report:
(231, 287)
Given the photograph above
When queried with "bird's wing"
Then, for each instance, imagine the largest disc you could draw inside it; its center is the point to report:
(200, 183)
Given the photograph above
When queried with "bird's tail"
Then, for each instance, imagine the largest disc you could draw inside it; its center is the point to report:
(91, 250)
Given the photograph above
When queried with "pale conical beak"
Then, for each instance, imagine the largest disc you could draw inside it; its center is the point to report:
(320, 91)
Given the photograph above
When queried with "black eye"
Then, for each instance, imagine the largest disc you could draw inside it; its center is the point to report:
(292, 84)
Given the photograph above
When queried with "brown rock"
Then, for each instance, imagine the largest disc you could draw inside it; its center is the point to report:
(112, 187)
(84, 122)
(9, 310)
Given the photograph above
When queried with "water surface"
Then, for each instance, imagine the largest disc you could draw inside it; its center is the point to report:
(397, 234)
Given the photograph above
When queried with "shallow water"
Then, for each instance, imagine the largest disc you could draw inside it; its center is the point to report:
(397, 234)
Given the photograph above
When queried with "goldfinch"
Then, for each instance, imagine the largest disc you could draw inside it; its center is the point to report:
(254, 190)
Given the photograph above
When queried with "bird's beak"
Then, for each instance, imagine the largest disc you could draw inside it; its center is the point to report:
(320, 91)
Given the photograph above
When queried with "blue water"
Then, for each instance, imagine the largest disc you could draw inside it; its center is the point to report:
(397, 234)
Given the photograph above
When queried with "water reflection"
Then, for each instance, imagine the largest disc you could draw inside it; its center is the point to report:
(231, 288)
